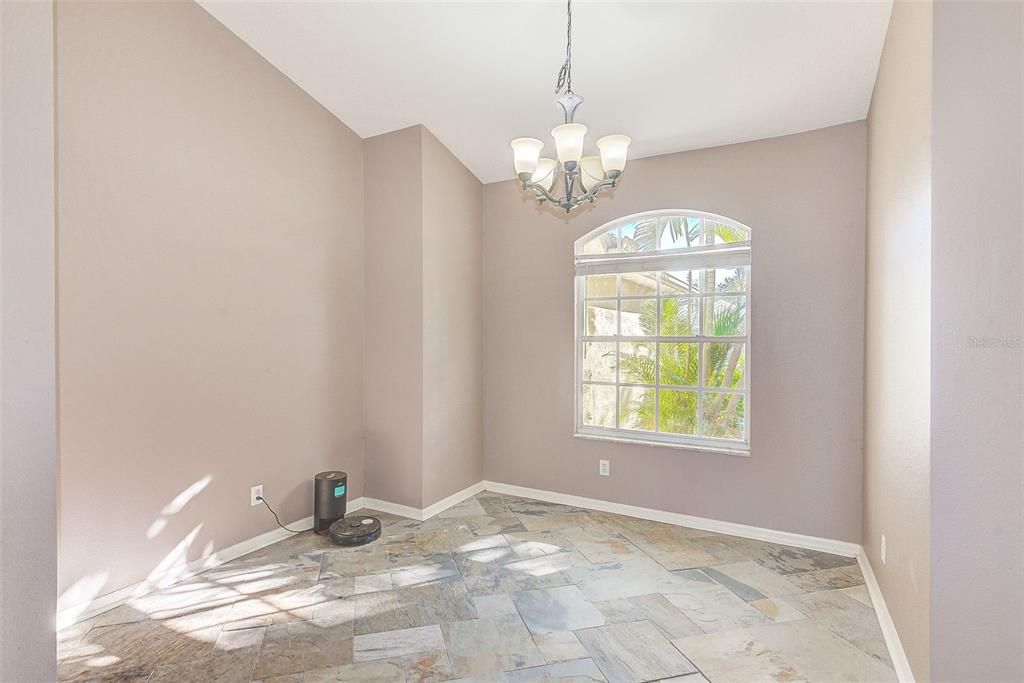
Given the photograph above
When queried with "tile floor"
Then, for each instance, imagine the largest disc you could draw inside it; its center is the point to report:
(499, 588)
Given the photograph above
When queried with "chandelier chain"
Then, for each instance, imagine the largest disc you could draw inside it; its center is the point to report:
(565, 73)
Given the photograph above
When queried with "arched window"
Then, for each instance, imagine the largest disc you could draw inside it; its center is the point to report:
(663, 330)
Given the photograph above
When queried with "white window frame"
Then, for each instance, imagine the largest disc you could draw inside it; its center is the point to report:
(704, 256)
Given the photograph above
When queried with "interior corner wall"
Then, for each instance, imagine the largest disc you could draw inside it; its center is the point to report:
(897, 402)
(424, 321)
(803, 196)
(977, 465)
(210, 292)
(28, 385)
(393, 380)
(452, 324)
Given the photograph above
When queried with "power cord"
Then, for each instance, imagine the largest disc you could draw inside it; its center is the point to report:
(276, 518)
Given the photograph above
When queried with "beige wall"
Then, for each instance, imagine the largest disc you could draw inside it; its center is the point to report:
(210, 287)
(945, 427)
(424, 324)
(452, 324)
(394, 317)
(803, 195)
(977, 465)
(897, 384)
(28, 427)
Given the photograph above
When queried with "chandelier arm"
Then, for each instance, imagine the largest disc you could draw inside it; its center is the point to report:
(594, 189)
(543, 193)
(568, 202)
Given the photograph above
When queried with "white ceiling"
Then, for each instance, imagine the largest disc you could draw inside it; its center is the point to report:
(674, 76)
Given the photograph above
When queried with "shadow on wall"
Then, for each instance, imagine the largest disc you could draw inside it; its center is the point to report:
(78, 599)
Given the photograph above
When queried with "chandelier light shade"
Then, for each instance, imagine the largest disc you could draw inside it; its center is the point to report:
(591, 171)
(525, 153)
(545, 173)
(582, 176)
(613, 150)
(569, 141)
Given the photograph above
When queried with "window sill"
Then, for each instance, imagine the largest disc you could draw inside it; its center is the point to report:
(725, 450)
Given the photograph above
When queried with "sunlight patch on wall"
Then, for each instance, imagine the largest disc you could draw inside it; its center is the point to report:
(176, 505)
(76, 599)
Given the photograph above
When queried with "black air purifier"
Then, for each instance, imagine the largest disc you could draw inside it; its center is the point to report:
(330, 491)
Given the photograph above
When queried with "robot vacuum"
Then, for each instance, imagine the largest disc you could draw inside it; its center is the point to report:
(355, 530)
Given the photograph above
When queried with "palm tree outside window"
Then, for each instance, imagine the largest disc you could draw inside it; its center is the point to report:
(663, 331)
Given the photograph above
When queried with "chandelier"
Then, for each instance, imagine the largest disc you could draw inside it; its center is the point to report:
(582, 176)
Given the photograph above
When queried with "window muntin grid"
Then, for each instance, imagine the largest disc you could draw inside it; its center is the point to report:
(630, 345)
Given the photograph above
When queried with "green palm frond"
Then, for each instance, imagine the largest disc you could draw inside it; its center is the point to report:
(729, 319)
(729, 233)
(692, 231)
(677, 317)
(647, 235)
(733, 283)
(678, 412)
(637, 368)
(679, 364)
(649, 317)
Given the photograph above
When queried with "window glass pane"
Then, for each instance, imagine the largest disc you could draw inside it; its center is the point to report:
(723, 416)
(601, 318)
(680, 282)
(600, 285)
(637, 363)
(679, 317)
(678, 364)
(725, 316)
(605, 243)
(597, 407)
(639, 317)
(723, 233)
(641, 236)
(598, 362)
(629, 238)
(677, 411)
(639, 284)
(692, 390)
(678, 232)
(636, 408)
(650, 235)
(725, 279)
(724, 365)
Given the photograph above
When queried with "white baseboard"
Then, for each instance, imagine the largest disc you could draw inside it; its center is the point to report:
(892, 638)
(73, 614)
(454, 499)
(379, 505)
(427, 512)
(827, 545)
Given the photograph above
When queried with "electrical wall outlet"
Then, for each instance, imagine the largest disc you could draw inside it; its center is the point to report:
(255, 493)
(603, 468)
(882, 550)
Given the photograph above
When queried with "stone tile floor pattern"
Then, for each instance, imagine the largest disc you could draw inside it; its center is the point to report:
(499, 588)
